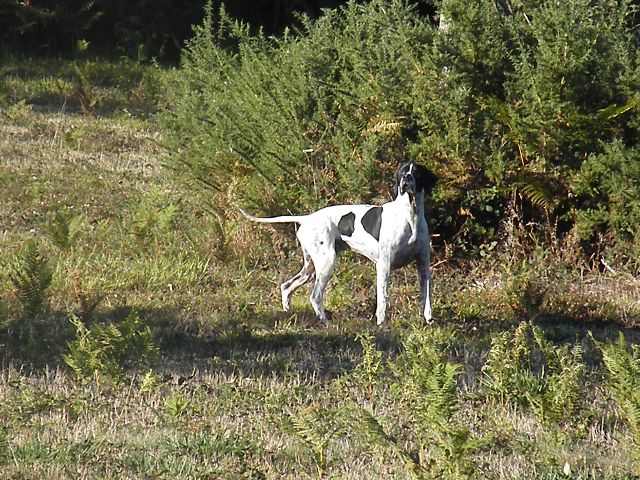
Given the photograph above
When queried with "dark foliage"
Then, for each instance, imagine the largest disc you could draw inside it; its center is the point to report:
(139, 29)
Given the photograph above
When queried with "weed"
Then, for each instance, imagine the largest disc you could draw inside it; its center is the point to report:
(29, 334)
(149, 382)
(316, 427)
(106, 351)
(5, 448)
(524, 367)
(31, 277)
(151, 219)
(176, 405)
(623, 369)
(371, 367)
(84, 90)
(363, 423)
(426, 385)
(65, 228)
(18, 113)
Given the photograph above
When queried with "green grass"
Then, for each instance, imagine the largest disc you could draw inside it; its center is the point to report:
(238, 383)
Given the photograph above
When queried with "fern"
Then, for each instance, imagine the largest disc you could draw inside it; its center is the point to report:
(524, 367)
(31, 277)
(31, 334)
(106, 351)
(64, 229)
(144, 220)
(623, 369)
(84, 91)
(537, 193)
(150, 219)
(316, 427)
(427, 385)
(363, 423)
(367, 373)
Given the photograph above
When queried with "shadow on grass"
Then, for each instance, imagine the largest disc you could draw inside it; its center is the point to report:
(278, 343)
(270, 344)
(281, 345)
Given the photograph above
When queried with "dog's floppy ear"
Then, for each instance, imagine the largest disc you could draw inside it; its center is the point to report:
(425, 179)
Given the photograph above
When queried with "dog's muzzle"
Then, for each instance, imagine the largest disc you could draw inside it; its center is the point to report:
(408, 184)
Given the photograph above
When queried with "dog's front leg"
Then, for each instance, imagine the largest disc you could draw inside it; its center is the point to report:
(424, 271)
(383, 275)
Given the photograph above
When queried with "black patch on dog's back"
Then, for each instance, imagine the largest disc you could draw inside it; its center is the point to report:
(346, 224)
(371, 221)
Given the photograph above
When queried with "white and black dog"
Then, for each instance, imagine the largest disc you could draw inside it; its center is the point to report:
(391, 235)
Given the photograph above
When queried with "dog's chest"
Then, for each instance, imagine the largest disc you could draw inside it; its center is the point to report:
(400, 250)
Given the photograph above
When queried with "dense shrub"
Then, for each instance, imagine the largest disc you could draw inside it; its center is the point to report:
(510, 105)
(292, 121)
(608, 185)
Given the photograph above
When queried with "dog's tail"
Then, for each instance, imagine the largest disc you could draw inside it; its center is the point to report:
(282, 219)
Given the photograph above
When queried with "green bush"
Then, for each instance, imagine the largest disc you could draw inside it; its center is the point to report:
(522, 96)
(285, 123)
(609, 185)
(510, 105)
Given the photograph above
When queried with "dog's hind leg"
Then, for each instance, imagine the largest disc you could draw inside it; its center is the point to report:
(305, 274)
(318, 241)
(324, 270)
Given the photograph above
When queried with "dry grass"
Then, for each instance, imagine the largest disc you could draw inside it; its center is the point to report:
(229, 424)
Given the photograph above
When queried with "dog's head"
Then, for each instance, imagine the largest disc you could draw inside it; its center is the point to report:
(412, 178)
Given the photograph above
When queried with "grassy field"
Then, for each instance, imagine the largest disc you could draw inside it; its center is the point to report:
(507, 383)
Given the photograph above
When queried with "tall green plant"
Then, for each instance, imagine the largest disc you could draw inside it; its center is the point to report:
(288, 122)
(427, 385)
(623, 369)
(105, 352)
(28, 332)
(524, 367)
(520, 93)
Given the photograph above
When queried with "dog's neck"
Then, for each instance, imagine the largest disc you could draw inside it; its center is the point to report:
(415, 202)
(414, 206)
